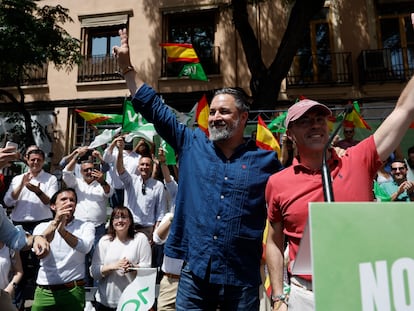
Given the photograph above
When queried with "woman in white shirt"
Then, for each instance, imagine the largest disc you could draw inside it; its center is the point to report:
(116, 252)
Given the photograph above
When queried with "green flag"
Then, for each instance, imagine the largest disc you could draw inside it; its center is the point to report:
(169, 153)
(278, 124)
(380, 194)
(131, 120)
(194, 71)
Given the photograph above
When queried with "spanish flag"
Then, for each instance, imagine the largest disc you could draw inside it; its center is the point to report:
(265, 138)
(180, 52)
(202, 113)
(356, 118)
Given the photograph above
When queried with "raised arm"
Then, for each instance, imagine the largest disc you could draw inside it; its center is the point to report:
(120, 159)
(124, 60)
(390, 133)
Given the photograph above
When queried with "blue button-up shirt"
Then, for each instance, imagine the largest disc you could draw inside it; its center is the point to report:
(220, 206)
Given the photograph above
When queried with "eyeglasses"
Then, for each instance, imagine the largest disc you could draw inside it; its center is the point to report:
(144, 192)
(123, 217)
(401, 168)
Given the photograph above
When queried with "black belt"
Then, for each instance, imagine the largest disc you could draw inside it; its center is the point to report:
(68, 285)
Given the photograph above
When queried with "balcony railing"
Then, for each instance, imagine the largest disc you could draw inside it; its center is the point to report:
(324, 68)
(209, 59)
(99, 68)
(386, 65)
(32, 76)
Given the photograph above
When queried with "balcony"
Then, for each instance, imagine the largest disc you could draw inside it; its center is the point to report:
(322, 69)
(382, 65)
(99, 68)
(209, 59)
(33, 76)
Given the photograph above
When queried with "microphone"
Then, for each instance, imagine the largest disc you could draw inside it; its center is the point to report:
(326, 172)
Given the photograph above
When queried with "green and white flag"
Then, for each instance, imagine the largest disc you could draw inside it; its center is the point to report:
(194, 71)
(131, 120)
(186, 118)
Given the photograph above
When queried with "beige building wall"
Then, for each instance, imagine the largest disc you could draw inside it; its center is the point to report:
(353, 28)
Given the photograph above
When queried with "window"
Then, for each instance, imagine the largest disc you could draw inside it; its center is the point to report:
(101, 41)
(314, 55)
(99, 35)
(315, 61)
(197, 28)
(397, 39)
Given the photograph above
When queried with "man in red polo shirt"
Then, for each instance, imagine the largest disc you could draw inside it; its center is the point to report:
(288, 192)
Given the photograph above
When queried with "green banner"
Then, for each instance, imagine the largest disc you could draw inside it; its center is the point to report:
(362, 256)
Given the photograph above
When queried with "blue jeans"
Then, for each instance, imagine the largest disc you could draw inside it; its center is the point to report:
(195, 293)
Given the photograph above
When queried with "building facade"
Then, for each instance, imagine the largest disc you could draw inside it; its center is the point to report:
(352, 50)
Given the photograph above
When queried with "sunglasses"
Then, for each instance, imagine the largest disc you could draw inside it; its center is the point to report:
(394, 169)
(348, 132)
(87, 169)
(143, 189)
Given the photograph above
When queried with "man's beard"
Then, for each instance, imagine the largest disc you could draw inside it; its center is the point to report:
(222, 133)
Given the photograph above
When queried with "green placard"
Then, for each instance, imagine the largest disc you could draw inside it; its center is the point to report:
(362, 256)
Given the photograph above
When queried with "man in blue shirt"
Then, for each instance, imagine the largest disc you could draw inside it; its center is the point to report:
(220, 206)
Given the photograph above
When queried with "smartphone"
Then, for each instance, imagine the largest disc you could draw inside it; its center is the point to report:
(12, 144)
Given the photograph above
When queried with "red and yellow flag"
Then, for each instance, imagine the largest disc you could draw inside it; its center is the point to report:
(265, 138)
(202, 113)
(356, 119)
(266, 281)
(180, 52)
(96, 118)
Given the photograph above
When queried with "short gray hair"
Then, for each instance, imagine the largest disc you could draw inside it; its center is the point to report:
(239, 95)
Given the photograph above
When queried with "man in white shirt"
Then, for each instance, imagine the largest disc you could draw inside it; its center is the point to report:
(60, 282)
(131, 164)
(144, 195)
(29, 195)
(93, 192)
(14, 236)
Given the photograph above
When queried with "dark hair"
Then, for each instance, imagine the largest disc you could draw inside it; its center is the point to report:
(55, 195)
(33, 147)
(239, 95)
(86, 156)
(410, 150)
(121, 210)
(36, 151)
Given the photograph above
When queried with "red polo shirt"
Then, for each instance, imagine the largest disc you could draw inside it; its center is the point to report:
(289, 191)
